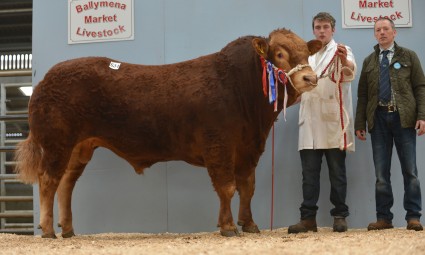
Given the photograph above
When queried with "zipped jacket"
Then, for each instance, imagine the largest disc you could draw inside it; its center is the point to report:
(407, 82)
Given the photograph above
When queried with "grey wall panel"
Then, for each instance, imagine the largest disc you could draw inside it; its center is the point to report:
(119, 200)
(191, 198)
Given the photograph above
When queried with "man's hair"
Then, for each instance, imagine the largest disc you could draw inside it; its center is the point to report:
(324, 16)
(386, 18)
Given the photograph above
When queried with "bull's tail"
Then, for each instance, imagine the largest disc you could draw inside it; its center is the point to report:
(28, 157)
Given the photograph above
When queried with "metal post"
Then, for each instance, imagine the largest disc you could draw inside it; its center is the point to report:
(2, 154)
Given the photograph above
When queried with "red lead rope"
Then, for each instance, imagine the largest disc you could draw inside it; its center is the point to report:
(272, 209)
(341, 111)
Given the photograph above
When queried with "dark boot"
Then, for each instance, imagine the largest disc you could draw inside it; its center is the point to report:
(414, 224)
(340, 225)
(303, 226)
(380, 225)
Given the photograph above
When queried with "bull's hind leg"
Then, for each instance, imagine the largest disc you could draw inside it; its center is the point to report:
(245, 184)
(54, 162)
(81, 155)
(47, 185)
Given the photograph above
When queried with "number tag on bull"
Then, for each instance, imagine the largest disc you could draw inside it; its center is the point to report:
(114, 65)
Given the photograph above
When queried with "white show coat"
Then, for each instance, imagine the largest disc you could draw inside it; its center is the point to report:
(319, 116)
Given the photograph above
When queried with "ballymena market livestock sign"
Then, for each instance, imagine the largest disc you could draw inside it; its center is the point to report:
(363, 14)
(100, 21)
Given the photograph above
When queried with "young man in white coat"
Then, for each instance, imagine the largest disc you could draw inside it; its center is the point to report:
(322, 132)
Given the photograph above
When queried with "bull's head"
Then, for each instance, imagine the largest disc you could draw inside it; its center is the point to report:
(286, 51)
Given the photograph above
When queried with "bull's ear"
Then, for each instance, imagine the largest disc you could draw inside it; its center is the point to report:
(261, 46)
(314, 46)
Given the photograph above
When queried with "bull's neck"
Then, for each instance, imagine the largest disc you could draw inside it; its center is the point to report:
(264, 116)
(242, 66)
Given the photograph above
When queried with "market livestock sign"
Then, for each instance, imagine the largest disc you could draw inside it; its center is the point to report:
(363, 14)
(100, 21)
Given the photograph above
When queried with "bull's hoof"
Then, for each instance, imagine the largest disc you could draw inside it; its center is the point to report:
(230, 233)
(69, 234)
(49, 235)
(251, 229)
(39, 226)
(248, 229)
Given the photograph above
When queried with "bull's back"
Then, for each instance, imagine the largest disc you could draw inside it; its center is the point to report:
(135, 108)
(92, 77)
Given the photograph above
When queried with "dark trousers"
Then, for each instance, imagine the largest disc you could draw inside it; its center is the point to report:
(387, 130)
(311, 161)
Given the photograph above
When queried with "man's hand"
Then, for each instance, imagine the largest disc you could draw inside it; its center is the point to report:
(420, 126)
(342, 53)
(361, 134)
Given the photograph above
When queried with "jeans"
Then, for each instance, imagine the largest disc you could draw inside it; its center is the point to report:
(387, 131)
(311, 161)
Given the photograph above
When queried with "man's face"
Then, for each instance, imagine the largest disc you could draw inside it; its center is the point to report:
(384, 33)
(323, 31)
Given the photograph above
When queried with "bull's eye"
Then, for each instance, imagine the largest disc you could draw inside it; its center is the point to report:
(280, 55)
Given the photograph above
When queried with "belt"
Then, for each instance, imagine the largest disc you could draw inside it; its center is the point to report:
(387, 108)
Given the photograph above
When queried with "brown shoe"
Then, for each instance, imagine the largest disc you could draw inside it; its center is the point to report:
(380, 224)
(303, 226)
(340, 225)
(414, 224)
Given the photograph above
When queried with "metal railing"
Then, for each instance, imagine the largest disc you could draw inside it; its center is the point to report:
(15, 62)
(9, 218)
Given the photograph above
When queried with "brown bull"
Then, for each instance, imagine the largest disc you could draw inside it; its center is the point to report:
(210, 111)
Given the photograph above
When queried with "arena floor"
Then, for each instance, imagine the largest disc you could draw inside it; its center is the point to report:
(355, 241)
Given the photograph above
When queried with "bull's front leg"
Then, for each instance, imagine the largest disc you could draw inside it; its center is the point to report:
(47, 190)
(225, 186)
(245, 181)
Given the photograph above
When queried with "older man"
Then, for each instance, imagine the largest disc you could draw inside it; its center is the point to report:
(391, 100)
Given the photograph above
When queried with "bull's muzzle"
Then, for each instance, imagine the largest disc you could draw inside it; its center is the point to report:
(311, 79)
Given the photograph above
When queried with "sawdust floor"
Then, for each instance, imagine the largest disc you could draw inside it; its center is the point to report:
(355, 241)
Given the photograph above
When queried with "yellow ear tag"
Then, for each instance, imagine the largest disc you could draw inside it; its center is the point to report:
(261, 50)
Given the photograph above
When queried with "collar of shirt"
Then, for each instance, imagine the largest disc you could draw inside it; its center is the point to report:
(390, 53)
(391, 49)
